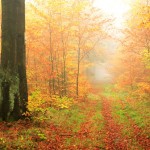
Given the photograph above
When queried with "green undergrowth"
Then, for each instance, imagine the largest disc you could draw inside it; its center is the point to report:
(70, 118)
(98, 125)
(93, 123)
(97, 118)
(126, 116)
(93, 97)
(97, 121)
(138, 111)
(126, 109)
(140, 117)
(24, 139)
(111, 92)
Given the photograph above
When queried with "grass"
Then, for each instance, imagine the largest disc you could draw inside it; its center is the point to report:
(97, 119)
(123, 109)
(94, 124)
(93, 97)
(29, 137)
(138, 111)
(130, 112)
(21, 142)
(69, 118)
(79, 126)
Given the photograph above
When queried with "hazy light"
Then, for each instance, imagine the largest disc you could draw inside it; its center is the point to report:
(29, 0)
(115, 8)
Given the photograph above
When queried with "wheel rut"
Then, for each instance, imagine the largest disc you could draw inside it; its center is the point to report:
(113, 139)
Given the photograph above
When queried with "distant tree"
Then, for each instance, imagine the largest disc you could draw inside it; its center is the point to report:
(73, 30)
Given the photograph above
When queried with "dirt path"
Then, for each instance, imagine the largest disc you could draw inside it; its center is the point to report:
(99, 129)
(140, 137)
(113, 139)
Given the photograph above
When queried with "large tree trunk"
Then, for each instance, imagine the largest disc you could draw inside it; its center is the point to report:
(21, 55)
(13, 64)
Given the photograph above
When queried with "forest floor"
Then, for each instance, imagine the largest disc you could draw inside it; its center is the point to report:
(97, 123)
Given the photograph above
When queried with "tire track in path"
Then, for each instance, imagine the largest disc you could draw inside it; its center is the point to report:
(139, 135)
(141, 138)
(113, 139)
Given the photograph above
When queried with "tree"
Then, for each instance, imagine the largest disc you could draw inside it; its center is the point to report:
(133, 60)
(13, 59)
(67, 33)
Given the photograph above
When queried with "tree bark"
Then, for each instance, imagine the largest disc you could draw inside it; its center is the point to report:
(13, 57)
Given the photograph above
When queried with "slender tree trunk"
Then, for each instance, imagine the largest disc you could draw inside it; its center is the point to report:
(52, 80)
(78, 55)
(36, 78)
(78, 73)
(64, 56)
(64, 67)
(64, 73)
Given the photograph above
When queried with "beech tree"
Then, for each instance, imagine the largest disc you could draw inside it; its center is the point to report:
(72, 30)
(132, 61)
(14, 96)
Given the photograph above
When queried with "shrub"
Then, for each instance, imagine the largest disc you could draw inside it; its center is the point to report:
(62, 102)
(35, 101)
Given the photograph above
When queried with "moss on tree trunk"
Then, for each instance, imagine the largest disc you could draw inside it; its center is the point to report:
(13, 58)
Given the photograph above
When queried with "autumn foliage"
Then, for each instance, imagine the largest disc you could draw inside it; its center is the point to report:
(84, 92)
(132, 61)
(59, 44)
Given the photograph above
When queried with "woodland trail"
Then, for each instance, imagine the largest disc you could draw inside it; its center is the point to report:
(91, 125)
(138, 134)
(141, 138)
(113, 139)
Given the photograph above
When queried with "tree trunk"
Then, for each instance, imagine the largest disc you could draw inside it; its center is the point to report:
(13, 63)
(78, 73)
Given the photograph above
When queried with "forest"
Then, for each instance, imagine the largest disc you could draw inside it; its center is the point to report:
(75, 75)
